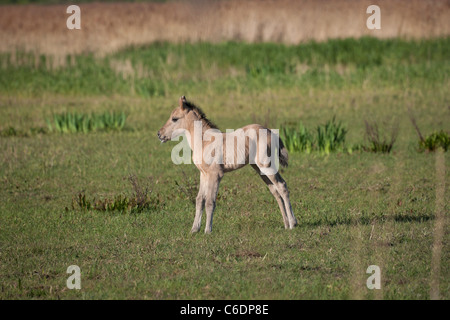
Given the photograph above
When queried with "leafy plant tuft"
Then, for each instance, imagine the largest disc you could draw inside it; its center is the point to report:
(330, 138)
(378, 142)
(72, 122)
(435, 141)
(141, 199)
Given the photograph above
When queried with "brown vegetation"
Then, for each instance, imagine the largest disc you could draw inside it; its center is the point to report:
(107, 27)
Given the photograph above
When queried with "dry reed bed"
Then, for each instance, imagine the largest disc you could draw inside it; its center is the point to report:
(108, 27)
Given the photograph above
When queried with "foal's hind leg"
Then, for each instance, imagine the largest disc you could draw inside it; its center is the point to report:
(283, 191)
(276, 195)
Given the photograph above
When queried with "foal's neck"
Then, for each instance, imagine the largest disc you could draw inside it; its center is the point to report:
(191, 128)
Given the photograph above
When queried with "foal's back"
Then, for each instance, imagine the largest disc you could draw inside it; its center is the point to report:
(245, 147)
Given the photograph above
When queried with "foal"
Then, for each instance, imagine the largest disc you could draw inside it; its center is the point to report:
(189, 118)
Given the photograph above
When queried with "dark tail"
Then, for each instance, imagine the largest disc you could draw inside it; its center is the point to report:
(283, 154)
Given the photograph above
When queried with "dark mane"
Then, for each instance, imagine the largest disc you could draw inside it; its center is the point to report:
(201, 114)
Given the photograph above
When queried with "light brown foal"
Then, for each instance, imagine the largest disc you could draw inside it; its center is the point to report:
(189, 117)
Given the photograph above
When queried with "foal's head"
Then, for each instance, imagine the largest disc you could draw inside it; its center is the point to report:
(180, 118)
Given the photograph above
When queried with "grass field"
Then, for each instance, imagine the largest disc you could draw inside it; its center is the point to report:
(354, 210)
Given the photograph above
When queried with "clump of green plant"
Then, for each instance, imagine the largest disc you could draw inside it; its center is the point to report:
(10, 132)
(13, 132)
(72, 122)
(141, 199)
(331, 136)
(119, 203)
(378, 142)
(297, 139)
(433, 141)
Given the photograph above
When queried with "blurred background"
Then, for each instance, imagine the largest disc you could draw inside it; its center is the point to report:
(108, 26)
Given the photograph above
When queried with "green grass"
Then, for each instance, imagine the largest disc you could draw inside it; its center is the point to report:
(354, 210)
(164, 69)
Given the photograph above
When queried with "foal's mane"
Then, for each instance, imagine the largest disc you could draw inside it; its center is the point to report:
(200, 114)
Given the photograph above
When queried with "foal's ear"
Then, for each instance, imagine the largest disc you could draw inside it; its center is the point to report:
(182, 102)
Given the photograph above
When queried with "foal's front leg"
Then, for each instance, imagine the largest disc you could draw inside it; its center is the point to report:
(211, 190)
(199, 205)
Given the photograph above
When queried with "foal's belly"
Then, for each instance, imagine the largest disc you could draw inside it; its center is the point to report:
(232, 167)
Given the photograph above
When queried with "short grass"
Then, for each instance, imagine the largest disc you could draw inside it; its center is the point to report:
(354, 210)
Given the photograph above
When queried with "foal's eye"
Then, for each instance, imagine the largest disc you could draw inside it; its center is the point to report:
(174, 119)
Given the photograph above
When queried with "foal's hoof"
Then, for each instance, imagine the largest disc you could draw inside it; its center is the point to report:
(290, 227)
(195, 230)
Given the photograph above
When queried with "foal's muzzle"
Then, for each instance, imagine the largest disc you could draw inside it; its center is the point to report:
(161, 137)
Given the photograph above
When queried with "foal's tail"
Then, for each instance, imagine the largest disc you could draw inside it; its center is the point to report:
(283, 154)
